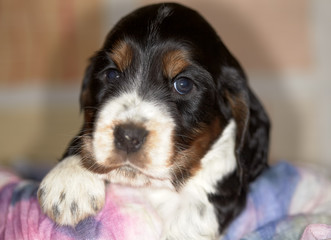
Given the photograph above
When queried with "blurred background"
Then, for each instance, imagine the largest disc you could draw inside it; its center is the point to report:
(283, 45)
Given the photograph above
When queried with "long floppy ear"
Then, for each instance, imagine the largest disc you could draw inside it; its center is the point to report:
(86, 100)
(237, 101)
(87, 97)
(85, 94)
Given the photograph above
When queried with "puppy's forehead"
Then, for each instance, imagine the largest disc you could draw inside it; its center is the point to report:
(173, 60)
(159, 25)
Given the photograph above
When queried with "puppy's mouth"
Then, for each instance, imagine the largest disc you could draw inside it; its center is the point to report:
(121, 165)
(130, 170)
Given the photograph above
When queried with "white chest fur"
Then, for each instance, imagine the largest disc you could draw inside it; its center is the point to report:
(188, 214)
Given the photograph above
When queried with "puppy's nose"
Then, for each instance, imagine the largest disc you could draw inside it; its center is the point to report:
(129, 138)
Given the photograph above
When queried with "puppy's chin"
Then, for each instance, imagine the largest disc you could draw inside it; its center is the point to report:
(132, 176)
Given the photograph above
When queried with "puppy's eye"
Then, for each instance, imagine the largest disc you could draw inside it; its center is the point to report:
(183, 85)
(112, 74)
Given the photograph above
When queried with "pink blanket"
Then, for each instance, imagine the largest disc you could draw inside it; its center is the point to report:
(125, 216)
(317, 232)
(284, 203)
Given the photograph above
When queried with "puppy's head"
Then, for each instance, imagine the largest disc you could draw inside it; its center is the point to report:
(158, 96)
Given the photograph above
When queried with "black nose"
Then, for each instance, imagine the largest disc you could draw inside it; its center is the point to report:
(129, 138)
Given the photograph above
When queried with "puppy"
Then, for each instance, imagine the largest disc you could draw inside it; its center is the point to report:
(167, 108)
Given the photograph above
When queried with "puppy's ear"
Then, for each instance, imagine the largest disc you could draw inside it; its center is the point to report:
(86, 102)
(89, 94)
(237, 101)
(85, 94)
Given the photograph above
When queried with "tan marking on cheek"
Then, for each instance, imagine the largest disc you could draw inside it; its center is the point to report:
(151, 144)
(122, 55)
(189, 160)
(88, 161)
(174, 62)
(151, 140)
(154, 140)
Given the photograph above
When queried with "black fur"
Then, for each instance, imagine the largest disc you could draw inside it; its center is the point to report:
(221, 90)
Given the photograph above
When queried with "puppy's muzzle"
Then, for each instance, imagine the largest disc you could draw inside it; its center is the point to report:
(129, 138)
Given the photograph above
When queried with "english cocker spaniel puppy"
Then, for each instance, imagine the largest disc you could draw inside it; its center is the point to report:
(168, 109)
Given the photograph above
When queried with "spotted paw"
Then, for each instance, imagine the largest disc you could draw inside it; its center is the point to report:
(70, 193)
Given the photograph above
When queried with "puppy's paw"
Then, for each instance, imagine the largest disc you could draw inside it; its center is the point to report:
(70, 193)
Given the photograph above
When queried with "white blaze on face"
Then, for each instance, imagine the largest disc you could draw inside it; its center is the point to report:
(130, 108)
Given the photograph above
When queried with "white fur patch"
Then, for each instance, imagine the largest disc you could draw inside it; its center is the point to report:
(130, 108)
(188, 214)
(70, 193)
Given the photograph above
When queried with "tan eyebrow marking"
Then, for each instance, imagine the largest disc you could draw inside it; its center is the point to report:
(174, 62)
(122, 55)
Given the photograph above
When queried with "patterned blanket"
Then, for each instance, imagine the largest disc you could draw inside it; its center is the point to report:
(284, 203)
